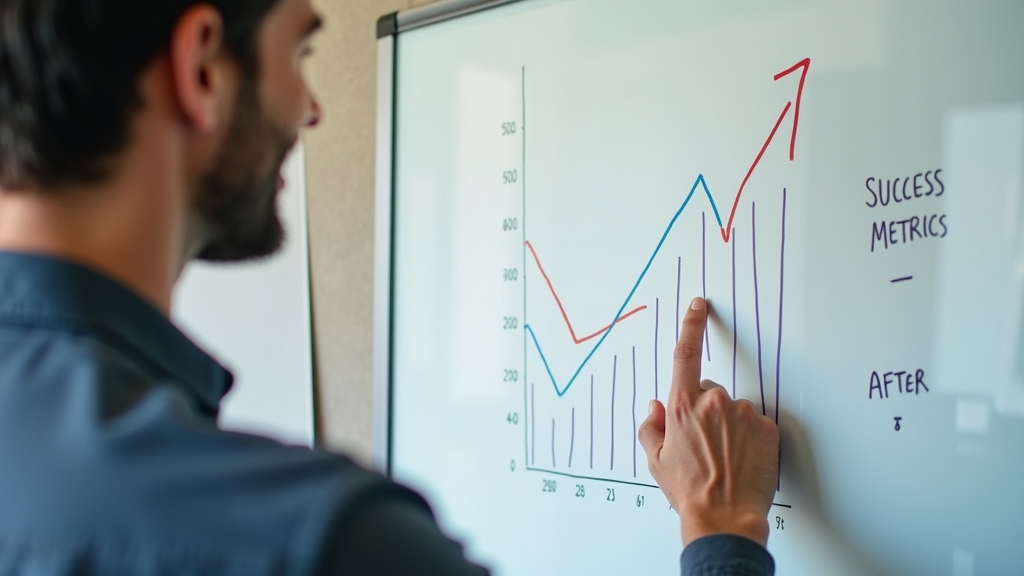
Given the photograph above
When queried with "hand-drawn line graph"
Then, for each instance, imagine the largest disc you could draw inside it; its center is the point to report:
(594, 340)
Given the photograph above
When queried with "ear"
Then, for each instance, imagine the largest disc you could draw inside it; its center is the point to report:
(198, 66)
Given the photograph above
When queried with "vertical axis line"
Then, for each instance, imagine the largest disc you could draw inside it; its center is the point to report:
(523, 226)
(572, 436)
(778, 348)
(757, 306)
(704, 275)
(615, 369)
(634, 411)
(591, 421)
(553, 464)
(735, 312)
(657, 315)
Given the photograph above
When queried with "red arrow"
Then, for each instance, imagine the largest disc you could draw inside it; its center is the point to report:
(803, 64)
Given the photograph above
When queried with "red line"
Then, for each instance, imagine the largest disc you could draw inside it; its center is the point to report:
(562, 308)
(726, 232)
(602, 330)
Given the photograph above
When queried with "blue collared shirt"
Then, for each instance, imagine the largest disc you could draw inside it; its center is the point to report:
(111, 462)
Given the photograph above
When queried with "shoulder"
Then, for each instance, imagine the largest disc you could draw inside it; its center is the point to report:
(253, 494)
(125, 457)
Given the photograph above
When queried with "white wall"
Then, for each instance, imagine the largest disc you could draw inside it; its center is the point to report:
(255, 319)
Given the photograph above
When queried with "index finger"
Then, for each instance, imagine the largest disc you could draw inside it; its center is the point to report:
(687, 355)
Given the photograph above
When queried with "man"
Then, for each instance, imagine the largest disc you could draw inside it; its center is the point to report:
(136, 135)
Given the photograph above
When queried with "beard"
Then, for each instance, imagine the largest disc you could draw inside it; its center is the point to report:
(237, 198)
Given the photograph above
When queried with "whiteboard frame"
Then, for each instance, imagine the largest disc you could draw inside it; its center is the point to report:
(381, 423)
(406, 20)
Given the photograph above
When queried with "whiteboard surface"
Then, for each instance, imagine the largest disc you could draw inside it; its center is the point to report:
(255, 319)
(562, 166)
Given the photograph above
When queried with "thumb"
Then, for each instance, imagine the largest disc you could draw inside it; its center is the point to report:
(652, 432)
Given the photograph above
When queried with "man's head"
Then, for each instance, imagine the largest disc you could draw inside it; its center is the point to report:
(70, 75)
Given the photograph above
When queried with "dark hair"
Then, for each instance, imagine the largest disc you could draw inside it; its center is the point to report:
(69, 72)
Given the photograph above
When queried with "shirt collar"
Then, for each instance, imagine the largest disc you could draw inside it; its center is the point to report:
(43, 291)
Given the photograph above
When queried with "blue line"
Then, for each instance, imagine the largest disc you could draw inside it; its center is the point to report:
(529, 330)
(707, 192)
(561, 392)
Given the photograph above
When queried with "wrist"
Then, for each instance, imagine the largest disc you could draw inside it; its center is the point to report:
(697, 523)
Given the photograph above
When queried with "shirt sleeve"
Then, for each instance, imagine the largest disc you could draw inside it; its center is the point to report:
(397, 537)
(726, 555)
(394, 537)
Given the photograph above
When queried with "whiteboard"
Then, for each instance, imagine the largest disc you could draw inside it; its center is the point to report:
(843, 181)
(254, 317)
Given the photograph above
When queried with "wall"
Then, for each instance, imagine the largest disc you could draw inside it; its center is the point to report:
(340, 167)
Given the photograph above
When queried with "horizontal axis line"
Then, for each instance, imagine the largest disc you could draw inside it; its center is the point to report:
(597, 479)
(580, 477)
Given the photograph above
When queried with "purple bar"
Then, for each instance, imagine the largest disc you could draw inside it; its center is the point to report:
(735, 313)
(591, 421)
(782, 271)
(894, 280)
(634, 411)
(572, 435)
(704, 275)
(757, 306)
(657, 315)
(553, 465)
(778, 349)
(615, 368)
(679, 277)
(533, 428)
